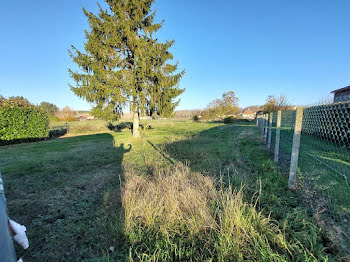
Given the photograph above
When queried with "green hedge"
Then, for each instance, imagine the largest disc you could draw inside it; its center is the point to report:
(22, 123)
(237, 120)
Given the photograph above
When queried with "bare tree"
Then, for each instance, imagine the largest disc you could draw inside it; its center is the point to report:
(273, 103)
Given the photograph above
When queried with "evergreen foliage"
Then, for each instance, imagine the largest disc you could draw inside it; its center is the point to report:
(124, 64)
(20, 122)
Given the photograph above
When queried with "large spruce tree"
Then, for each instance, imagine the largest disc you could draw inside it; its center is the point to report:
(124, 64)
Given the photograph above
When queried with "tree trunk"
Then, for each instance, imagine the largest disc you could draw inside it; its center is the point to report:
(135, 123)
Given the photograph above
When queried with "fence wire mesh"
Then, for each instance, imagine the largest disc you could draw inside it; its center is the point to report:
(326, 137)
(286, 137)
(324, 153)
(324, 158)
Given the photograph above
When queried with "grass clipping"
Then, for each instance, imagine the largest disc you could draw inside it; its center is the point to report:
(174, 215)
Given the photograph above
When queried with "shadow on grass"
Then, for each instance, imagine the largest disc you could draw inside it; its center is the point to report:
(160, 152)
(67, 193)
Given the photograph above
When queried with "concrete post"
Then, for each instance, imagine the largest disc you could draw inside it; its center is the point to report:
(270, 131)
(278, 136)
(295, 148)
(266, 123)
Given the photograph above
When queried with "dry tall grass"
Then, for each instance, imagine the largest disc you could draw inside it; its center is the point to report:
(176, 215)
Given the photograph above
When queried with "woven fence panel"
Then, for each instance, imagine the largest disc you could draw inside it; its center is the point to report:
(324, 154)
(328, 122)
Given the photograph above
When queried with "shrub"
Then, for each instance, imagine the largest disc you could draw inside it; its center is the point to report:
(237, 120)
(19, 100)
(19, 122)
(176, 215)
(66, 114)
(196, 118)
(126, 125)
(57, 131)
(229, 120)
(123, 125)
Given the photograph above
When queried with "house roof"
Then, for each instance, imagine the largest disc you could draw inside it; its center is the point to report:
(289, 108)
(83, 115)
(341, 89)
(251, 110)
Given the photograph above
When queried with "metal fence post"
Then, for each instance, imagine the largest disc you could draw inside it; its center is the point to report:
(270, 131)
(278, 136)
(295, 148)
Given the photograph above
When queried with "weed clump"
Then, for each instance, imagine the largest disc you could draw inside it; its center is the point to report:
(176, 215)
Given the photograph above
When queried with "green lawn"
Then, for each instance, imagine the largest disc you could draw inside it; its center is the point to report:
(67, 190)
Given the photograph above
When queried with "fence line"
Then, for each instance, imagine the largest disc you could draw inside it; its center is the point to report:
(313, 144)
(320, 132)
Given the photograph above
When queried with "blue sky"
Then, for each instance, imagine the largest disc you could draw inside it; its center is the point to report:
(254, 47)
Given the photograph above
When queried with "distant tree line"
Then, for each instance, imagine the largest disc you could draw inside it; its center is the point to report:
(227, 105)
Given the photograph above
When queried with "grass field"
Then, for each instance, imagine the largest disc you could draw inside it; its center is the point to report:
(77, 196)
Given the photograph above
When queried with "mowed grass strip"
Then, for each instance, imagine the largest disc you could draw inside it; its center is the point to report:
(67, 191)
(56, 189)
